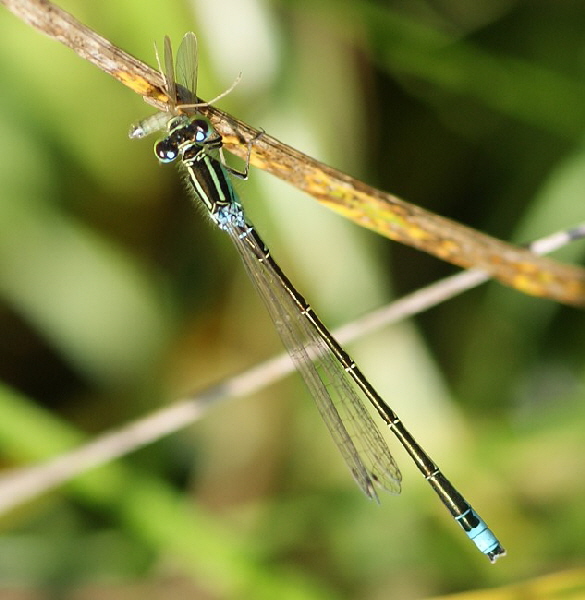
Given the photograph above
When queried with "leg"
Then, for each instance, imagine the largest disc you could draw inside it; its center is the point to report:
(241, 174)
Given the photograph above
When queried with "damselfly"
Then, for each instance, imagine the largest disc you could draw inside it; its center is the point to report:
(329, 372)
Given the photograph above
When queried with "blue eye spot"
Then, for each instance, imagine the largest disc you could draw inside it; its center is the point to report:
(166, 151)
(202, 130)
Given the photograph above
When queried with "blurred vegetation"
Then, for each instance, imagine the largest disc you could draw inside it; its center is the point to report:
(116, 298)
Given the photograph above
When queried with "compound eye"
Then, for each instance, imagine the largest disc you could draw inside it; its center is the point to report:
(166, 150)
(202, 130)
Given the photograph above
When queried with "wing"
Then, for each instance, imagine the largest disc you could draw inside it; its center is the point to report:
(186, 69)
(358, 438)
(167, 70)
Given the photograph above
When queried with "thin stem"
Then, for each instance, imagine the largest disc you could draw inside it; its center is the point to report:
(24, 484)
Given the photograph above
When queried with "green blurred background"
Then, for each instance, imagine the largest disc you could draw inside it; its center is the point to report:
(116, 298)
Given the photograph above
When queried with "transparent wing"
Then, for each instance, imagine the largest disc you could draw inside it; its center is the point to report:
(159, 120)
(169, 70)
(187, 68)
(358, 438)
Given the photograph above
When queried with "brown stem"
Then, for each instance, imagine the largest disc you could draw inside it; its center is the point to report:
(384, 213)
